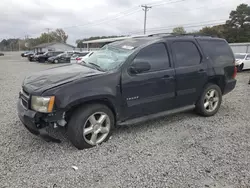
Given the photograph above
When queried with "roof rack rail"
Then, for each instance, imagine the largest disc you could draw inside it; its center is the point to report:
(192, 35)
(159, 34)
(177, 35)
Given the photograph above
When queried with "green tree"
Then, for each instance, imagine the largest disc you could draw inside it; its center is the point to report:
(44, 38)
(179, 30)
(238, 25)
(59, 35)
(217, 30)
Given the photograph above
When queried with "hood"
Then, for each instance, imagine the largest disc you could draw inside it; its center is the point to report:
(44, 80)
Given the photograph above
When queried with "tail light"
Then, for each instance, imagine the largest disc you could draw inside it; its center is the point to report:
(235, 72)
(78, 59)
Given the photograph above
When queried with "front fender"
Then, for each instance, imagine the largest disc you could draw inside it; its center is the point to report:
(71, 102)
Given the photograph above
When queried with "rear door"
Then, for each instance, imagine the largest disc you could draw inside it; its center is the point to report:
(152, 91)
(191, 70)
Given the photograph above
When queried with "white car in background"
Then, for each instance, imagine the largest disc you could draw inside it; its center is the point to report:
(242, 61)
(76, 58)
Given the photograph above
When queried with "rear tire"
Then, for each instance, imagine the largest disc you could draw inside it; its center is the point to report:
(90, 125)
(210, 101)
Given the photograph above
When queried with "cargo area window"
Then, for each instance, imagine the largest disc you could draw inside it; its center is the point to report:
(218, 51)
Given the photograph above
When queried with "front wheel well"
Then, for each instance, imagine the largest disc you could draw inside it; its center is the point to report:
(103, 101)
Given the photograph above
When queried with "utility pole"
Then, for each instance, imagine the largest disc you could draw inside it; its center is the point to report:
(145, 9)
(19, 45)
(48, 33)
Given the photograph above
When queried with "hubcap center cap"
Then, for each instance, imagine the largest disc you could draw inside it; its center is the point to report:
(96, 127)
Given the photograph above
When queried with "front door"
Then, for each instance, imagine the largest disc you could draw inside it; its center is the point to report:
(151, 91)
(191, 71)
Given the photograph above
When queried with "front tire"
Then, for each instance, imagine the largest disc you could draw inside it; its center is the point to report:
(90, 125)
(240, 68)
(210, 101)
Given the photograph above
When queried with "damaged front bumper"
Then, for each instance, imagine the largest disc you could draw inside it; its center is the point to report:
(37, 123)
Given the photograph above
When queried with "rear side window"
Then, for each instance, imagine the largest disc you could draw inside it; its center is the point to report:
(218, 51)
(186, 54)
(156, 55)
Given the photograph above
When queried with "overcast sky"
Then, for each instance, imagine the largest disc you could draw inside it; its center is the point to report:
(85, 18)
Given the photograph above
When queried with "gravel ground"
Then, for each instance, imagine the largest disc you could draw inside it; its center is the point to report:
(182, 150)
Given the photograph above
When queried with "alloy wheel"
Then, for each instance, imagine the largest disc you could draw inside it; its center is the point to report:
(211, 100)
(96, 128)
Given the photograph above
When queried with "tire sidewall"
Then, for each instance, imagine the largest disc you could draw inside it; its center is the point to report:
(240, 67)
(77, 122)
(200, 105)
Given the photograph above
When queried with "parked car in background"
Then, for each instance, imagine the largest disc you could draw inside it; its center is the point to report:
(78, 56)
(28, 53)
(127, 82)
(1, 54)
(242, 61)
(31, 57)
(22, 54)
(61, 58)
(44, 57)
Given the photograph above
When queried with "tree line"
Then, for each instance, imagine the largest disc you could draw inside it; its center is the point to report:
(14, 44)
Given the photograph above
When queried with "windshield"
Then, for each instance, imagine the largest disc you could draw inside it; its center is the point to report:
(109, 57)
(239, 56)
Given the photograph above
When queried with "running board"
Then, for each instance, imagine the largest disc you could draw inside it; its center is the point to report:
(155, 116)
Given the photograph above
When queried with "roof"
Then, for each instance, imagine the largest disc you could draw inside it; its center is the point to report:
(109, 39)
(43, 45)
(146, 36)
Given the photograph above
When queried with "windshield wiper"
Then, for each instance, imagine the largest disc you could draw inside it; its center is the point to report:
(96, 66)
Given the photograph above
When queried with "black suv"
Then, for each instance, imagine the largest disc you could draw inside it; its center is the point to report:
(128, 82)
(44, 57)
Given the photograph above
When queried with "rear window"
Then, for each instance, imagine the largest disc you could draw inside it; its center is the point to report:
(217, 50)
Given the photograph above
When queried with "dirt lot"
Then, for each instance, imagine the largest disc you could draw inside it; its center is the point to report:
(182, 150)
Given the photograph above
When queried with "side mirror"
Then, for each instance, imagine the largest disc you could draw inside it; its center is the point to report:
(139, 67)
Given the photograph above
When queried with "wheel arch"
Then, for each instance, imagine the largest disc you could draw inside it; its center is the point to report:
(219, 81)
(105, 101)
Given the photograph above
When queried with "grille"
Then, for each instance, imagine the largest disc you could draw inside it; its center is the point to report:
(25, 103)
(25, 97)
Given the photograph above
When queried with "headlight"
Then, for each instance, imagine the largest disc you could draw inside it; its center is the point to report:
(42, 104)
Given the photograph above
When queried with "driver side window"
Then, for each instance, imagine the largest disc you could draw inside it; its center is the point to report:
(156, 55)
